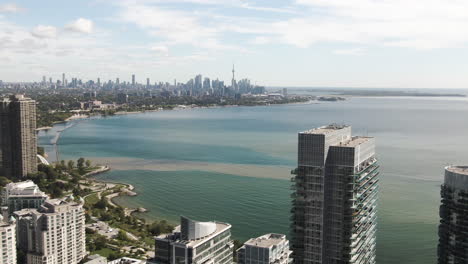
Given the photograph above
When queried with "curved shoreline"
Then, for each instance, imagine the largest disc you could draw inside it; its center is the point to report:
(127, 191)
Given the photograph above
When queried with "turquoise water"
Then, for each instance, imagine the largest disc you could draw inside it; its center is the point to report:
(195, 162)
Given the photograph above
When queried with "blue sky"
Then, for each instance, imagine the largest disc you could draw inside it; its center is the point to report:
(336, 43)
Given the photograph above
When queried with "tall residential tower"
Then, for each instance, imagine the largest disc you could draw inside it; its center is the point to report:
(52, 234)
(8, 243)
(453, 229)
(335, 198)
(18, 140)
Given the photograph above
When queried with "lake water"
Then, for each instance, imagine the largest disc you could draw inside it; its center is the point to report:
(232, 164)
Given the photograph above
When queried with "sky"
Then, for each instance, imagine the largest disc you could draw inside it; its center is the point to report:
(319, 43)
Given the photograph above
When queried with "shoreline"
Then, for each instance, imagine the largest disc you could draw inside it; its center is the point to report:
(179, 107)
(128, 190)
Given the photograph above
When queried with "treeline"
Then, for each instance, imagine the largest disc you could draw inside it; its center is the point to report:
(47, 119)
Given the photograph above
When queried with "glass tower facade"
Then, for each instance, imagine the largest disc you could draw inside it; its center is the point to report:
(334, 203)
(453, 228)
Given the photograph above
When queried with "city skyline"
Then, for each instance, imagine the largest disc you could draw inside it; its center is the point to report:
(276, 43)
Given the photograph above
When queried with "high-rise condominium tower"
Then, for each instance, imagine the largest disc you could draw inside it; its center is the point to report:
(52, 234)
(8, 233)
(335, 198)
(453, 229)
(18, 140)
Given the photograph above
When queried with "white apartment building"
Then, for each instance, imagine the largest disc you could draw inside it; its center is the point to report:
(8, 238)
(52, 234)
(21, 195)
(267, 249)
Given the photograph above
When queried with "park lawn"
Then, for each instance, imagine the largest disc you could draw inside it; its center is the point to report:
(105, 252)
(92, 199)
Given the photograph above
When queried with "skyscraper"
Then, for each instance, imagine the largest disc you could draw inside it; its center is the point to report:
(453, 228)
(206, 84)
(335, 198)
(133, 79)
(52, 234)
(63, 79)
(198, 82)
(18, 140)
(147, 82)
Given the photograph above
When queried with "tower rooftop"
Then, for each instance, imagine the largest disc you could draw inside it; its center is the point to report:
(461, 170)
(266, 241)
(354, 142)
(325, 129)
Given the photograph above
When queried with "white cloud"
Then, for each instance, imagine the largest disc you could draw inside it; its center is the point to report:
(353, 51)
(10, 8)
(261, 40)
(81, 25)
(42, 31)
(173, 26)
(27, 57)
(420, 24)
(161, 49)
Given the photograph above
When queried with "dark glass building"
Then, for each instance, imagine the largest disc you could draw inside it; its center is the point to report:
(334, 207)
(453, 229)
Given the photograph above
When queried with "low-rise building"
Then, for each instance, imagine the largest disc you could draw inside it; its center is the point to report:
(8, 235)
(267, 249)
(127, 261)
(21, 195)
(195, 242)
(96, 259)
(52, 234)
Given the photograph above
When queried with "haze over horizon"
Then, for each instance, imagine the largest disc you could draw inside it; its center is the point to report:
(294, 43)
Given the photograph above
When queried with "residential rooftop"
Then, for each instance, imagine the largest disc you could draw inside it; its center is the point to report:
(463, 170)
(24, 188)
(325, 129)
(175, 235)
(266, 241)
(354, 142)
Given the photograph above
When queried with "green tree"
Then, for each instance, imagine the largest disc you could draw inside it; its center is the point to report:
(4, 181)
(40, 151)
(88, 163)
(102, 204)
(80, 163)
(122, 235)
(71, 165)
